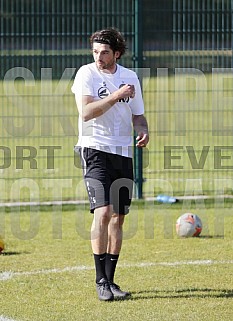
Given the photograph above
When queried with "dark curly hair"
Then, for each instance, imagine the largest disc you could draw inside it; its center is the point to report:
(111, 37)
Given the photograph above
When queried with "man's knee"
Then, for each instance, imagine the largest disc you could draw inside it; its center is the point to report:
(117, 219)
(103, 215)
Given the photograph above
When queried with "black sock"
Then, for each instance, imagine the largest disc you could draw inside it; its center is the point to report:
(100, 260)
(110, 265)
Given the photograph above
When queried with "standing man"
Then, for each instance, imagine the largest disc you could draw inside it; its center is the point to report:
(110, 105)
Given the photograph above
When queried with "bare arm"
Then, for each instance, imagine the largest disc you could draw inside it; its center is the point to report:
(141, 128)
(88, 108)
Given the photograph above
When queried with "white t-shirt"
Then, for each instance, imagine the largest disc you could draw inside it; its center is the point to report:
(112, 131)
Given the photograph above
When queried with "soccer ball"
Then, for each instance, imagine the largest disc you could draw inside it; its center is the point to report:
(1, 245)
(188, 225)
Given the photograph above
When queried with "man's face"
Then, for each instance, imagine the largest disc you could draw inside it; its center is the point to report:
(104, 57)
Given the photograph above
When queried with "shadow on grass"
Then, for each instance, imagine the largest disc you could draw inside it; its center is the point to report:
(211, 237)
(182, 294)
(11, 253)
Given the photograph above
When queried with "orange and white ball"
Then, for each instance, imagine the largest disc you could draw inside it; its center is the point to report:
(2, 246)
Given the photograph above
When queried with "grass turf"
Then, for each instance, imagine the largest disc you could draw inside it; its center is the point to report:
(190, 122)
(46, 250)
(170, 278)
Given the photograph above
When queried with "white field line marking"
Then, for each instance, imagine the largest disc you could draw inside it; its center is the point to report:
(2, 318)
(7, 275)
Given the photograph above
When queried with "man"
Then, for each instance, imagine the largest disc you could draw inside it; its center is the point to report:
(109, 102)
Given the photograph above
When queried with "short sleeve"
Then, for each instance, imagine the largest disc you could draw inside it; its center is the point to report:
(83, 83)
(137, 104)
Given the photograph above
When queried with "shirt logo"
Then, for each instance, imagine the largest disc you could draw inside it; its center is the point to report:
(123, 100)
(103, 92)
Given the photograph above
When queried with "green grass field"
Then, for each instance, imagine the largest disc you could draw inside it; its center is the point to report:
(190, 114)
(46, 271)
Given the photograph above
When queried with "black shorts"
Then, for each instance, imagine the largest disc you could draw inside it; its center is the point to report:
(108, 178)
